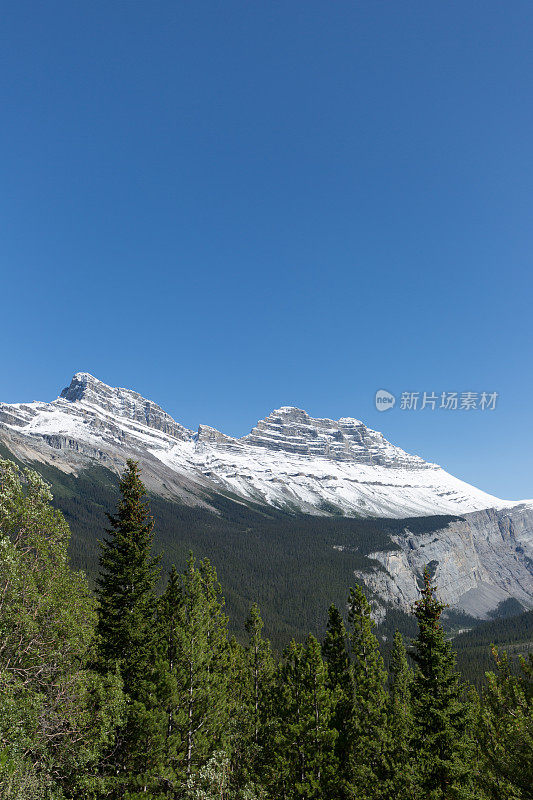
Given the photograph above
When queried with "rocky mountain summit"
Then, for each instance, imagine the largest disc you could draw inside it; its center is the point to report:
(292, 430)
(292, 462)
(122, 403)
(289, 460)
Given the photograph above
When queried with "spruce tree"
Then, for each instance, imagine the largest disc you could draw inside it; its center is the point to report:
(400, 723)
(260, 666)
(302, 739)
(335, 651)
(339, 678)
(241, 748)
(197, 669)
(170, 654)
(441, 717)
(367, 749)
(283, 760)
(506, 729)
(251, 681)
(321, 734)
(127, 641)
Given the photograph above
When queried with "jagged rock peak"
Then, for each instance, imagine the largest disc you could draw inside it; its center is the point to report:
(292, 430)
(85, 388)
(208, 434)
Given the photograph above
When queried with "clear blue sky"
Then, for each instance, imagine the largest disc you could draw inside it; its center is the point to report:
(232, 206)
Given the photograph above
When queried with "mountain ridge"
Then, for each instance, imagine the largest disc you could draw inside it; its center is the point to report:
(288, 460)
(293, 463)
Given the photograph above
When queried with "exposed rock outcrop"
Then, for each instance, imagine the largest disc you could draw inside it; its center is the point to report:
(292, 430)
(84, 388)
(478, 561)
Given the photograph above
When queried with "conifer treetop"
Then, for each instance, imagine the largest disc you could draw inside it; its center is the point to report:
(428, 606)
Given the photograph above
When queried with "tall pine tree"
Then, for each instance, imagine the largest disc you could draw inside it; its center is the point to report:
(366, 761)
(335, 651)
(196, 671)
(506, 729)
(127, 641)
(441, 717)
(339, 678)
(260, 665)
(301, 737)
(253, 673)
(400, 721)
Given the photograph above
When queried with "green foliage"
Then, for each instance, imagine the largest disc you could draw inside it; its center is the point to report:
(260, 669)
(20, 781)
(126, 585)
(53, 708)
(127, 640)
(300, 739)
(213, 782)
(442, 743)
(506, 730)
(196, 657)
(339, 679)
(401, 781)
(365, 761)
(251, 681)
(335, 651)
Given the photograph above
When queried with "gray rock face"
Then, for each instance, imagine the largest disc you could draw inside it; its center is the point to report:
(479, 561)
(214, 437)
(84, 388)
(294, 431)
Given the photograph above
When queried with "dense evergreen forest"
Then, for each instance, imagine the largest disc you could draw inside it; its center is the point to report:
(134, 686)
(514, 634)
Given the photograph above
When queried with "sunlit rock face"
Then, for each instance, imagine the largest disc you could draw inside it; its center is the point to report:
(122, 403)
(292, 430)
(478, 562)
(293, 462)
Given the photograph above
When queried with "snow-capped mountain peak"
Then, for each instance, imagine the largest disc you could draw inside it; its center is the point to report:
(297, 463)
(292, 430)
(289, 460)
(124, 403)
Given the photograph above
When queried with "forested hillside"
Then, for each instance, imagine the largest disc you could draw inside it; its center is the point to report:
(293, 565)
(131, 692)
(513, 634)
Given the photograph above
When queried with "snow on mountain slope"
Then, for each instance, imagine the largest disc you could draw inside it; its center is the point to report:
(289, 460)
(294, 462)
